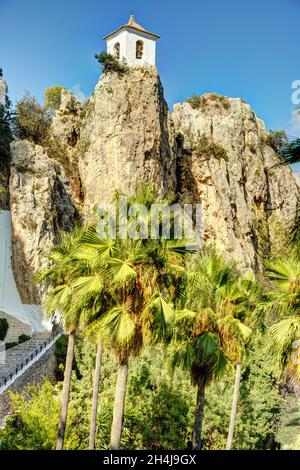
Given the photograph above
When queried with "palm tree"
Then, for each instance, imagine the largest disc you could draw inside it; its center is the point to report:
(59, 276)
(234, 405)
(95, 394)
(89, 295)
(209, 329)
(137, 278)
(290, 152)
(285, 303)
(247, 299)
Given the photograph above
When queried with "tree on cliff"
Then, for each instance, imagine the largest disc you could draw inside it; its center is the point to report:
(6, 136)
(53, 97)
(32, 120)
(109, 63)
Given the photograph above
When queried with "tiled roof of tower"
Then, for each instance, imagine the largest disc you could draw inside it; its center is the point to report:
(133, 25)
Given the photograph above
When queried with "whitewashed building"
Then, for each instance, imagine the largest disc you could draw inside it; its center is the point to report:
(132, 43)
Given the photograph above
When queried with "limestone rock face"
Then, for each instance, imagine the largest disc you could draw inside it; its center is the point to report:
(66, 121)
(126, 137)
(215, 153)
(65, 136)
(225, 162)
(41, 205)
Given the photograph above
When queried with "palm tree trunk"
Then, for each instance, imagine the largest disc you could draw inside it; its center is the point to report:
(95, 395)
(199, 413)
(119, 406)
(234, 405)
(65, 393)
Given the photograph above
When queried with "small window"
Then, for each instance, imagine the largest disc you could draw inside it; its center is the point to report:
(117, 50)
(139, 49)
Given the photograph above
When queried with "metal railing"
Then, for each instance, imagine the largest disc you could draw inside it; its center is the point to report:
(26, 361)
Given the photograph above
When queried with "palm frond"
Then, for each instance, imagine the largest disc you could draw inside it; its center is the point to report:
(290, 152)
(119, 325)
(88, 285)
(120, 271)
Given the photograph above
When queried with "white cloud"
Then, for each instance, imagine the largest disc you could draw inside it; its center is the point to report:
(79, 95)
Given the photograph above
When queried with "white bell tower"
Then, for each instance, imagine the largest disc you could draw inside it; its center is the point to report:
(132, 43)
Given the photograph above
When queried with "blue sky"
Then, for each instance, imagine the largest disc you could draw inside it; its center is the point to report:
(238, 48)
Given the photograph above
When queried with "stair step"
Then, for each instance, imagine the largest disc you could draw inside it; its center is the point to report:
(19, 354)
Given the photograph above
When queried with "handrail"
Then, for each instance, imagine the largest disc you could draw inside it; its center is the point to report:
(25, 362)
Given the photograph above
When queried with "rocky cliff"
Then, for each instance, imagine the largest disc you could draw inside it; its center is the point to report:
(127, 136)
(41, 205)
(227, 164)
(212, 150)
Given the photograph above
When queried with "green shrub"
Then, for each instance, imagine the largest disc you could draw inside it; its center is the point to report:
(4, 327)
(219, 152)
(206, 149)
(218, 99)
(276, 139)
(23, 338)
(159, 409)
(195, 101)
(32, 120)
(53, 97)
(34, 426)
(5, 135)
(110, 63)
(10, 345)
(252, 148)
(204, 101)
(60, 353)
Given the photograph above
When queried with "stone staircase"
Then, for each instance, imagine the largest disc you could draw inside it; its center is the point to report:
(21, 357)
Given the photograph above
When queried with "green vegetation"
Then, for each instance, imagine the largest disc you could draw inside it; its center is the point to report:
(11, 345)
(154, 336)
(159, 407)
(109, 63)
(4, 327)
(203, 101)
(205, 149)
(290, 152)
(6, 136)
(277, 140)
(122, 293)
(195, 101)
(23, 338)
(53, 97)
(290, 423)
(252, 148)
(32, 121)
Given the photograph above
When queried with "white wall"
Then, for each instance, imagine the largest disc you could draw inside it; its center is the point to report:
(10, 301)
(127, 40)
(122, 39)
